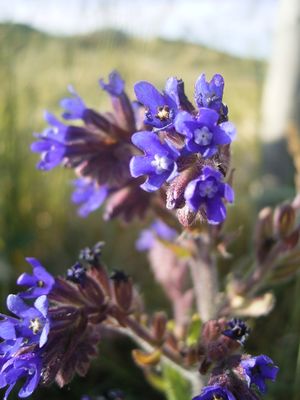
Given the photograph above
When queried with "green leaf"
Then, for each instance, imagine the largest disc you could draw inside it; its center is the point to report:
(179, 251)
(176, 386)
(194, 330)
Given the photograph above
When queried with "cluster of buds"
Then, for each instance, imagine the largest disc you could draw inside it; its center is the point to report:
(276, 244)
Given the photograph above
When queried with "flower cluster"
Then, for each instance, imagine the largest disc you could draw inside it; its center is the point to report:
(187, 148)
(25, 335)
(57, 322)
(235, 376)
(98, 149)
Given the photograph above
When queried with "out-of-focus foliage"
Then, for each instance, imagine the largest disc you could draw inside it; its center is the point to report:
(37, 218)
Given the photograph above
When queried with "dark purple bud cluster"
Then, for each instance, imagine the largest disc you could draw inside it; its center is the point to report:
(234, 376)
(56, 324)
(99, 150)
(188, 148)
(237, 330)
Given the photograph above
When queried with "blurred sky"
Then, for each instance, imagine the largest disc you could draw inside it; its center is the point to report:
(240, 27)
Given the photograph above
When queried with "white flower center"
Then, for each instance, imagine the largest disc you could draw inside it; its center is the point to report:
(208, 189)
(35, 325)
(161, 163)
(202, 136)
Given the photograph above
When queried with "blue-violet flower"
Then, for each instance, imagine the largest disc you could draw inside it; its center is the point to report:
(258, 369)
(158, 162)
(206, 193)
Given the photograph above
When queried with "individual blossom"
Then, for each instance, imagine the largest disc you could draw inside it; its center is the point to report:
(33, 323)
(203, 134)
(210, 94)
(39, 283)
(51, 143)
(158, 229)
(158, 161)
(237, 330)
(258, 369)
(161, 108)
(26, 367)
(89, 195)
(206, 193)
(215, 392)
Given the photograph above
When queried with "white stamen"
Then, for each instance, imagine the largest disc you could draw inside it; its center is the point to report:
(35, 325)
(202, 136)
(208, 189)
(161, 163)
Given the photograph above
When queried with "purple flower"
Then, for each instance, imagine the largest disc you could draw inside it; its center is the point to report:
(99, 150)
(25, 366)
(175, 89)
(51, 144)
(210, 94)
(158, 162)
(33, 323)
(39, 283)
(74, 106)
(161, 109)
(157, 229)
(237, 330)
(215, 392)
(89, 194)
(115, 85)
(258, 369)
(206, 193)
(203, 134)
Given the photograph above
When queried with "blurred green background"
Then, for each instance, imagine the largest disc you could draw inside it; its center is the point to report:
(37, 218)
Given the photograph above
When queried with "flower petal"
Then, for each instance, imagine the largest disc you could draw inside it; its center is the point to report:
(215, 210)
(149, 96)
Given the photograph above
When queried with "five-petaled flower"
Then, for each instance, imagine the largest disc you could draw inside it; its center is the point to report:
(203, 134)
(158, 161)
(39, 283)
(161, 108)
(206, 193)
(33, 323)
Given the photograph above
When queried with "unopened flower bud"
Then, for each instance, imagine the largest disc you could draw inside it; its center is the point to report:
(175, 192)
(264, 239)
(212, 330)
(92, 255)
(159, 325)
(122, 288)
(284, 220)
(185, 216)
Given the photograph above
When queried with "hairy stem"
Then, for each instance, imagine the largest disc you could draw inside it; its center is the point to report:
(205, 280)
(144, 339)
